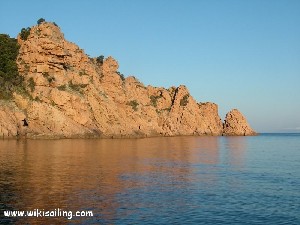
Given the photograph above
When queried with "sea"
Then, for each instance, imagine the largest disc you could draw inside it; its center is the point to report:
(161, 180)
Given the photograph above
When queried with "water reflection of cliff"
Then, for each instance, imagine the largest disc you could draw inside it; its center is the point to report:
(113, 178)
(235, 148)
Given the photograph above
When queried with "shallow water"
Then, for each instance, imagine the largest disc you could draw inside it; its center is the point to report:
(178, 180)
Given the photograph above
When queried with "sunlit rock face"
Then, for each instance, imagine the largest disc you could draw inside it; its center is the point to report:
(236, 124)
(73, 95)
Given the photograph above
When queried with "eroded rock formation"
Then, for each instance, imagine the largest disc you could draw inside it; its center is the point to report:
(236, 124)
(72, 95)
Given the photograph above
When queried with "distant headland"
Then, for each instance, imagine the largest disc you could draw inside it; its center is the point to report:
(51, 89)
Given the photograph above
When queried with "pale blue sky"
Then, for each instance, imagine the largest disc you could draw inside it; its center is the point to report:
(237, 53)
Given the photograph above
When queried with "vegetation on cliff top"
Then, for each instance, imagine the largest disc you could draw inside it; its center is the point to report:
(25, 32)
(41, 20)
(9, 76)
(10, 79)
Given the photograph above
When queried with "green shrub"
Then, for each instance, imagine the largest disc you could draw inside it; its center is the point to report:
(48, 77)
(26, 68)
(62, 87)
(100, 59)
(38, 32)
(5, 91)
(25, 32)
(83, 85)
(10, 79)
(66, 66)
(184, 101)
(154, 100)
(37, 99)
(9, 50)
(31, 84)
(76, 87)
(82, 72)
(134, 104)
(121, 75)
(22, 90)
(41, 20)
(53, 103)
(51, 79)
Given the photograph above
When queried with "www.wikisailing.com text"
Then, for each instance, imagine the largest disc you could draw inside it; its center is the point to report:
(48, 213)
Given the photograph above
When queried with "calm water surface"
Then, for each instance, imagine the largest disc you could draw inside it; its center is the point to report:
(179, 180)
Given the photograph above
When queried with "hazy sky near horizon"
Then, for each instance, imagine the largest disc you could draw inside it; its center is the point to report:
(238, 54)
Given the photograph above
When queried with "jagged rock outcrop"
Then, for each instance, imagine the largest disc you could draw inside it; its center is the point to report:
(10, 120)
(236, 124)
(72, 95)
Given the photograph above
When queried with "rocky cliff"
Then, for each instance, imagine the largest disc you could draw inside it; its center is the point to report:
(72, 95)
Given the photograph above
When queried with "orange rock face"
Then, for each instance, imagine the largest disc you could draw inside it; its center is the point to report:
(72, 95)
(236, 124)
(11, 117)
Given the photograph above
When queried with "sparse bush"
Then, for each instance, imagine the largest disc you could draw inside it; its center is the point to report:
(184, 101)
(102, 93)
(66, 66)
(136, 80)
(62, 87)
(31, 84)
(38, 32)
(82, 72)
(134, 104)
(53, 103)
(76, 87)
(141, 86)
(26, 68)
(45, 74)
(100, 59)
(37, 99)
(22, 90)
(41, 20)
(83, 85)
(121, 75)
(154, 100)
(48, 77)
(25, 32)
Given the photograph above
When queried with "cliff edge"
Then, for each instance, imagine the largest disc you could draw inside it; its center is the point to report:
(69, 94)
